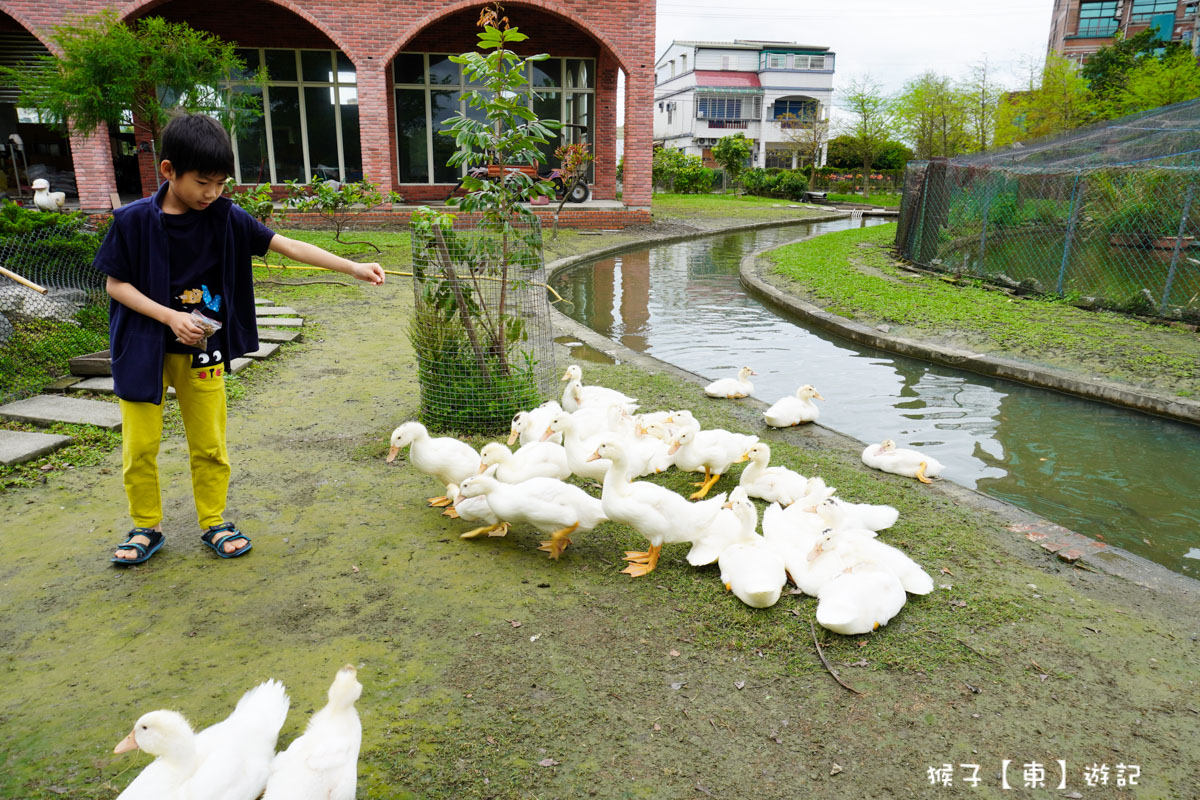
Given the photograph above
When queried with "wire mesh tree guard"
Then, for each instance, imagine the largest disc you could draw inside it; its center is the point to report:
(53, 306)
(1108, 216)
(481, 327)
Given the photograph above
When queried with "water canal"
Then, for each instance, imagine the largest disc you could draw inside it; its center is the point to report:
(1128, 478)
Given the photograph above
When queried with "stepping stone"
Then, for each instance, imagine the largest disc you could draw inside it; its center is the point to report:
(276, 311)
(47, 408)
(278, 335)
(262, 301)
(17, 447)
(62, 384)
(264, 351)
(286, 322)
(105, 386)
(239, 364)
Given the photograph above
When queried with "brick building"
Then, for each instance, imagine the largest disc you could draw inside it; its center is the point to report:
(358, 87)
(1079, 28)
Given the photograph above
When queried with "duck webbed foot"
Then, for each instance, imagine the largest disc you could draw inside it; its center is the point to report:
(490, 530)
(642, 563)
(709, 482)
(558, 541)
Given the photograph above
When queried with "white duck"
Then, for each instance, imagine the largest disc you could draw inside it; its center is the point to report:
(473, 509)
(534, 460)
(549, 505)
(734, 524)
(657, 513)
(446, 458)
(322, 763)
(860, 601)
(732, 388)
(578, 448)
(529, 425)
(45, 199)
(852, 548)
(794, 409)
(773, 484)
(589, 396)
(886, 457)
(793, 533)
(227, 761)
(754, 571)
(711, 451)
(839, 515)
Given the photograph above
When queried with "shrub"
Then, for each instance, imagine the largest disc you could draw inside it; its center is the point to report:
(775, 182)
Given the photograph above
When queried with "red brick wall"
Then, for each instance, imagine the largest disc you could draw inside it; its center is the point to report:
(619, 33)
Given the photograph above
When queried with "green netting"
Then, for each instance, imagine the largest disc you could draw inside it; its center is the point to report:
(1108, 215)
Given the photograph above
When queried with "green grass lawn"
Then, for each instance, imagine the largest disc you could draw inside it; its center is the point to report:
(691, 206)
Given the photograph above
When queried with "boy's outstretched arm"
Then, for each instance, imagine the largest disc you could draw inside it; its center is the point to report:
(311, 254)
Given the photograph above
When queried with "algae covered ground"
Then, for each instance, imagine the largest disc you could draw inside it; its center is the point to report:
(492, 672)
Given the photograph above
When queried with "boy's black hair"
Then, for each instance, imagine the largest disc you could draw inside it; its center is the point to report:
(197, 142)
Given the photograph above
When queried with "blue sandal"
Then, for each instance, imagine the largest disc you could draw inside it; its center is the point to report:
(217, 543)
(144, 551)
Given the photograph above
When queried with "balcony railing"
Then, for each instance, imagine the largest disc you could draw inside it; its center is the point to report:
(736, 124)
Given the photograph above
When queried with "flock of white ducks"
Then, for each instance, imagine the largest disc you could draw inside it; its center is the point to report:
(826, 546)
(235, 759)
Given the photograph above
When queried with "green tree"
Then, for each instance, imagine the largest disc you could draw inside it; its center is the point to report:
(149, 67)
(872, 120)
(1059, 102)
(733, 153)
(1107, 70)
(932, 113)
(981, 95)
(809, 136)
(1155, 82)
(893, 155)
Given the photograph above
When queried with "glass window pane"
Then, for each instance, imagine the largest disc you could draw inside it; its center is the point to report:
(251, 141)
(442, 107)
(579, 71)
(547, 73)
(345, 69)
(250, 57)
(410, 136)
(409, 68)
(443, 71)
(285, 133)
(547, 105)
(316, 66)
(281, 65)
(322, 133)
(351, 144)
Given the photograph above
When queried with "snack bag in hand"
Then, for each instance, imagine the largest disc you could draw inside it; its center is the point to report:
(209, 325)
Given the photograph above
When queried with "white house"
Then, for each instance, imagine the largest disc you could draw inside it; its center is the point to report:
(706, 90)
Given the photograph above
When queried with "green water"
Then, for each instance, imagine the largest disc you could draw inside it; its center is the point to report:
(1128, 478)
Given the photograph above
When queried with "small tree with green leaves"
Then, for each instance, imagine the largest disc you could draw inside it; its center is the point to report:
(467, 333)
(733, 153)
(338, 202)
(149, 68)
(574, 159)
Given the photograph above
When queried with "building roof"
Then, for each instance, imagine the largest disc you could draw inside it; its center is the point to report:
(726, 79)
(748, 44)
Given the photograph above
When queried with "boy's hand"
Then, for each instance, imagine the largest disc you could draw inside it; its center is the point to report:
(185, 328)
(372, 273)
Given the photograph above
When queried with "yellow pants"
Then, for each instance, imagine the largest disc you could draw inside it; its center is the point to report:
(201, 396)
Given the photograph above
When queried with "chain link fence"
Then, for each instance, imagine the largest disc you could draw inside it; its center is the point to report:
(53, 306)
(1107, 216)
(481, 329)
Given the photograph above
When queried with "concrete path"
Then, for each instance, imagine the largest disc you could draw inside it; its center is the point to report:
(45, 409)
(17, 447)
(275, 311)
(288, 322)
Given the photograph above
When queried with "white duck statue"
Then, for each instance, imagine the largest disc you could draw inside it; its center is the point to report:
(230, 760)
(445, 458)
(886, 457)
(794, 409)
(45, 199)
(322, 763)
(732, 388)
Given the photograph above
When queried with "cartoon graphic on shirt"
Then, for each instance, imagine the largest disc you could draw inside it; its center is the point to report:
(211, 301)
(191, 296)
(206, 360)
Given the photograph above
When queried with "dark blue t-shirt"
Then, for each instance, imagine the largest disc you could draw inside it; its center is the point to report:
(193, 240)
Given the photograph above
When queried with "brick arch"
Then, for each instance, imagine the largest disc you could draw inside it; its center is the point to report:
(29, 27)
(548, 6)
(138, 7)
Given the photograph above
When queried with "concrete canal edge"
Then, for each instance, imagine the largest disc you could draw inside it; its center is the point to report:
(1177, 408)
(1068, 545)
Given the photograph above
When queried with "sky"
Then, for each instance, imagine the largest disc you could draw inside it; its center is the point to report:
(892, 40)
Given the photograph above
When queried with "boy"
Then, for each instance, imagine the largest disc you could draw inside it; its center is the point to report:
(186, 249)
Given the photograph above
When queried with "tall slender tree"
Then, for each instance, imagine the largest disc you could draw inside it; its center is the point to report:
(871, 122)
